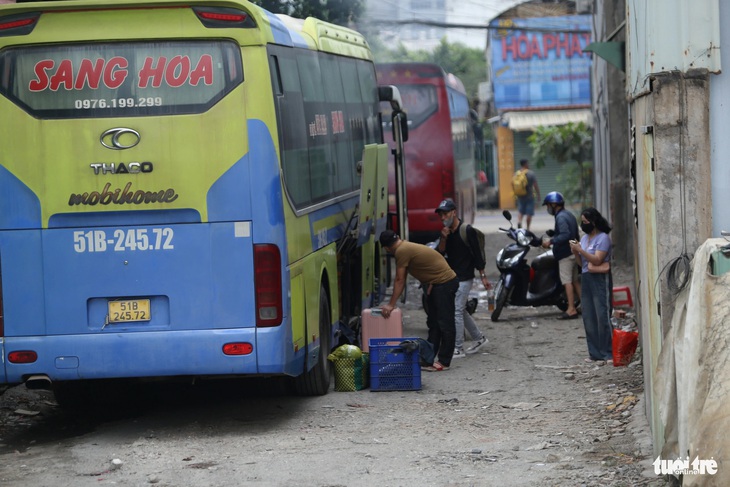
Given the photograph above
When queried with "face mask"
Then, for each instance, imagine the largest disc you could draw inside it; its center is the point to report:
(448, 221)
(587, 227)
(550, 210)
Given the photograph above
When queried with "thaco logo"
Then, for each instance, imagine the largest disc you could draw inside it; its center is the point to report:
(120, 138)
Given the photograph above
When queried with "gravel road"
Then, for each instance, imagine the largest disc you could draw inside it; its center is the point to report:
(525, 411)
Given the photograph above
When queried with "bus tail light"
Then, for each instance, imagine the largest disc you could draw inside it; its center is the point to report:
(18, 25)
(237, 348)
(219, 17)
(267, 281)
(22, 357)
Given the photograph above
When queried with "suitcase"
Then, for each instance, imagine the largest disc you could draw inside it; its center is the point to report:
(375, 325)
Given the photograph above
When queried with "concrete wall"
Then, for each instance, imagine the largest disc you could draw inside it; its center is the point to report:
(673, 177)
(612, 176)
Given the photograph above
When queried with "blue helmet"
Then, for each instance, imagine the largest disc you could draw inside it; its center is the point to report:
(554, 197)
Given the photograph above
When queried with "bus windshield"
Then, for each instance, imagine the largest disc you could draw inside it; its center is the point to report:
(119, 79)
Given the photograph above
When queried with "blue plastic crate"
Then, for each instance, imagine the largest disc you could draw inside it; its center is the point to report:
(393, 368)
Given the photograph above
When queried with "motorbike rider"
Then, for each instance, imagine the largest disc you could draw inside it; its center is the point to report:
(566, 229)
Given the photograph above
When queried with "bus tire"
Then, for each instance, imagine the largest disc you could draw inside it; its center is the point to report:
(316, 381)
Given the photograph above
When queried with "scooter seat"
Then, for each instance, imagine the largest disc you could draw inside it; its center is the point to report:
(543, 261)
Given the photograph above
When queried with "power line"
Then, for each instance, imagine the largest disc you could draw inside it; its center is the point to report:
(446, 25)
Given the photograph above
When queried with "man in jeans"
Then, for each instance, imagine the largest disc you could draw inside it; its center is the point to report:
(431, 269)
(463, 257)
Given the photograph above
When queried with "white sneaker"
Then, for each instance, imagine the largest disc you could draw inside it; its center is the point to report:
(458, 354)
(477, 345)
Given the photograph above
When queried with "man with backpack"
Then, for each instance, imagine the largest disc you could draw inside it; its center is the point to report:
(524, 185)
(463, 247)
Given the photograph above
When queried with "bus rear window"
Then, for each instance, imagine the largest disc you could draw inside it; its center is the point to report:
(119, 79)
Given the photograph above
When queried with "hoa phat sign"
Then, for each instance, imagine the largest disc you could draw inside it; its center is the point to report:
(540, 62)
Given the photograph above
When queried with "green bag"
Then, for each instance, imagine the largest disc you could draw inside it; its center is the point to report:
(352, 374)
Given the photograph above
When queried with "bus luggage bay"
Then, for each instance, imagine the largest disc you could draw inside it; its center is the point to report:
(180, 191)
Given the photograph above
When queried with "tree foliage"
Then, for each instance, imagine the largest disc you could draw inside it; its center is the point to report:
(564, 143)
(466, 63)
(340, 12)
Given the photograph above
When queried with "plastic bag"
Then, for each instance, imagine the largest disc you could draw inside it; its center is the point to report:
(345, 351)
(351, 368)
(352, 374)
(624, 346)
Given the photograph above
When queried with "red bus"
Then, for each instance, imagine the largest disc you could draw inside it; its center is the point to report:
(439, 157)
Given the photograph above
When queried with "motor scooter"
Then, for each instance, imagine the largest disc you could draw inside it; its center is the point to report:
(520, 284)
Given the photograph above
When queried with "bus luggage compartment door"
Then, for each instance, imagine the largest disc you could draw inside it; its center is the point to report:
(192, 276)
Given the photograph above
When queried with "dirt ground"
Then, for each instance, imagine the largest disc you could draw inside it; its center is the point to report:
(525, 411)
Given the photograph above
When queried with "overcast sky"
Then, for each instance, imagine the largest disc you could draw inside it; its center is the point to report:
(471, 12)
(478, 12)
(460, 12)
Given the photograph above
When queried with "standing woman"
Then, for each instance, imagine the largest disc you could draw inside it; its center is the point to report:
(593, 253)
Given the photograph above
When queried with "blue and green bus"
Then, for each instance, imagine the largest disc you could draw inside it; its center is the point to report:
(187, 189)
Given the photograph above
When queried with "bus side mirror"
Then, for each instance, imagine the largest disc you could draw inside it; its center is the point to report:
(391, 94)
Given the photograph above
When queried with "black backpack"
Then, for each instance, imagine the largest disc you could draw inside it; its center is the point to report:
(480, 239)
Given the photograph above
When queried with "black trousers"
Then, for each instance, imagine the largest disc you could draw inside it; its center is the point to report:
(440, 320)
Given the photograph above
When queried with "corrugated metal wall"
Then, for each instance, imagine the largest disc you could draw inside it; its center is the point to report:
(670, 35)
(719, 121)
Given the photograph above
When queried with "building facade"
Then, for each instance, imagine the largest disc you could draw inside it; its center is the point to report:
(538, 76)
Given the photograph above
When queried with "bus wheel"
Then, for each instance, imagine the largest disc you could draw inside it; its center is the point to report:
(316, 381)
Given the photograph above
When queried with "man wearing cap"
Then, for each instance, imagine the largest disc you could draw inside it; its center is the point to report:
(441, 284)
(460, 246)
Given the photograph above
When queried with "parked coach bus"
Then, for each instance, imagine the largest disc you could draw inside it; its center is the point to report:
(180, 192)
(439, 157)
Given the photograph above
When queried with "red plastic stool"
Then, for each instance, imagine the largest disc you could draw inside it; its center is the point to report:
(622, 296)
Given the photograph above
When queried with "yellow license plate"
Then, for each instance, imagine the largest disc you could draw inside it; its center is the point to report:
(129, 310)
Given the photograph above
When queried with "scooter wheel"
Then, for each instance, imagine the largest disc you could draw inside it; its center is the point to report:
(501, 293)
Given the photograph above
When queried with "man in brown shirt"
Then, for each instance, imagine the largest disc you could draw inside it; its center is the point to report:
(432, 270)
